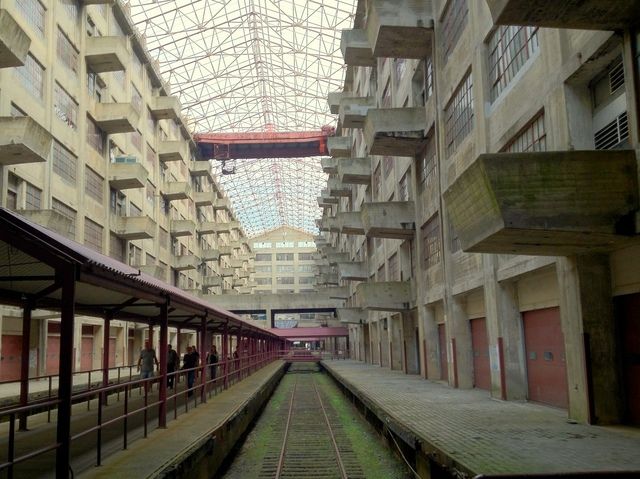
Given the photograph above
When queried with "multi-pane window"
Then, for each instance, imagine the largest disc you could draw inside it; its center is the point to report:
(151, 193)
(403, 188)
(120, 78)
(95, 87)
(454, 21)
(263, 281)
(67, 53)
(509, 49)
(135, 255)
(65, 107)
(427, 167)
(284, 268)
(163, 238)
(31, 77)
(34, 12)
(306, 280)
(376, 183)
(459, 115)
(394, 271)
(93, 185)
(306, 268)
(614, 134)
(116, 247)
(285, 244)
(305, 256)
(65, 163)
(33, 200)
(532, 137)
(285, 280)
(151, 158)
(92, 234)
(284, 257)
(95, 136)
(151, 122)
(71, 7)
(62, 208)
(262, 244)
(12, 192)
(137, 65)
(136, 98)
(136, 140)
(263, 257)
(117, 203)
(263, 269)
(431, 247)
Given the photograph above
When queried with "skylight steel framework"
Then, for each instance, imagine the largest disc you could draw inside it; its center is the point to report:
(251, 66)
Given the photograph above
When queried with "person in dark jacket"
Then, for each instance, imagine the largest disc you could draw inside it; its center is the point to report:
(173, 363)
(212, 359)
(190, 361)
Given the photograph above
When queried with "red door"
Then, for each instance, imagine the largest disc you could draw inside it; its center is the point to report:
(480, 346)
(629, 327)
(546, 367)
(53, 354)
(442, 346)
(10, 357)
(86, 354)
(112, 352)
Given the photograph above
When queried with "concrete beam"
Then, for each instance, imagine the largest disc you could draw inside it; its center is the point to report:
(280, 301)
(333, 100)
(350, 223)
(22, 140)
(14, 42)
(107, 54)
(352, 315)
(123, 176)
(329, 165)
(356, 49)
(391, 219)
(339, 146)
(395, 131)
(210, 254)
(222, 204)
(353, 271)
(337, 189)
(335, 258)
(227, 272)
(385, 296)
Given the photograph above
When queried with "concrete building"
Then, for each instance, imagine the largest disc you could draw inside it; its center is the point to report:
(94, 146)
(483, 197)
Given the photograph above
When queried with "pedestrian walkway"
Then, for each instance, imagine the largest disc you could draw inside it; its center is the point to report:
(480, 435)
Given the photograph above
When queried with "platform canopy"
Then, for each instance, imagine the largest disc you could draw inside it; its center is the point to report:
(310, 334)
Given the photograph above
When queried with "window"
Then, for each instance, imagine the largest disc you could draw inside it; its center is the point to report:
(67, 53)
(380, 274)
(151, 158)
(93, 185)
(120, 78)
(64, 163)
(163, 238)
(400, 66)
(532, 137)
(136, 140)
(263, 257)
(71, 7)
(150, 194)
(263, 269)
(403, 188)
(285, 244)
(387, 164)
(135, 255)
(116, 247)
(454, 20)
(422, 83)
(70, 213)
(614, 134)
(509, 49)
(284, 268)
(284, 257)
(34, 13)
(137, 65)
(394, 272)
(31, 77)
(151, 122)
(65, 107)
(135, 210)
(12, 192)
(306, 268)
(306, 244)
(95, 136)
(431, 248)
(427, 165)
(306, 280)
(136, 98)
(376, 183)
(262, 244)
(305, 256)
(459, 115)
(92, 235)
(33, 197)
(263, 281)
(285, 280)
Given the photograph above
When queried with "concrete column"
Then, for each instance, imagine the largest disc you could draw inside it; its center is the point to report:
(375, 342)
(396, 352)
(411, 349)
(458, 328)
(588, 324)
(430, 343)
(385, 348)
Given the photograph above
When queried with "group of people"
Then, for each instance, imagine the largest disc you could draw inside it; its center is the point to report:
(190, 361)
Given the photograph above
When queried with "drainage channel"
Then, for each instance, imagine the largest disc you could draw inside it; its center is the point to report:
(310, 430)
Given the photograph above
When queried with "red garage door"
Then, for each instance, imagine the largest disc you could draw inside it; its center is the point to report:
(53, 354)
(480, 346)
(546, 367)
(10, 357)
(442, 346)
(629, 327)
(86, 354)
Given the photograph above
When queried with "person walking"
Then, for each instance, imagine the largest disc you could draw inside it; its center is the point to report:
(146, 361)
(173, 362)
(212, 360)
(189, 362)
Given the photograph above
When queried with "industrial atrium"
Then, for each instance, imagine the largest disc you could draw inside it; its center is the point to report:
(319, 238)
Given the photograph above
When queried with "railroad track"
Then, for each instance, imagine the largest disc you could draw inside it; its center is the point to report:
(313, 443)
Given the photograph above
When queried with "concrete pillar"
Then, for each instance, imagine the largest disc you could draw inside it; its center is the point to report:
(459, 329)
(396, 352)
(375, 342)
(410, 346)
(385, 347)
(430, 343)
(588, 324)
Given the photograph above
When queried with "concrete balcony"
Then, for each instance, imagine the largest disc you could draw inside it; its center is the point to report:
(226, 250)
(337, 292)
(115, 118)
(339, 146)
(329, 165)
(352, 315)
(211, 227)
(330, 279)
(235, 263)
(335, 258)
(353, 271)
(107, 54)
(392, 219)
(337, 189)
(211, 281)
(589, 15)
(354, 171)
(185, 262)
(552, 203)
(165, 107)
(175, 150)
(176, 190)
(22, 140)
(243, 274)
(50, 219)
(201, 168)
(400, 29)
(126, 176)
(329, 223)
(133, 227)
(385, 296)
(227, 272)
(210, 254)
(222, 204)
(230, 292)
(353, 110)
(14, 42)
(180, 228)
(326, 201)
(350, 223)
(356, 49)
(204, 198)
(154, 270)
(395, 131)
(333, 100)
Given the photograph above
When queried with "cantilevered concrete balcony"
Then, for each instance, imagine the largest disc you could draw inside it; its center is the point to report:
(353, 110)
(227, 272)
(185, 262)
(333, 100)
(176, 190)
(22, 140)
(395, 131)
(230, 292)
(325, 270)
(325, 200)
(201, 168)
(235, 263)
(330, 279)
(211, 281)
(352, 315)
(356, 49)
(339, 146)
(329, 223)
(583, 15)
(335, 258)
(204, 198)
(400, 29)
(341, 292)
(353, 271)
(154, 270)
(385, 296)
(125, 176)
(337, 189)
(322, 225)
(133, 227)
(210, 254)
(210, 227)
(222, 204)
(115, 118)
(174, 150)
(14, 42)
(50, 219)
(243, 274)
(391, 219)
(551, 203)
(107, 54)
(329, 165)
(165, 107)
(354, 171)
(181, 228)
(226, 250)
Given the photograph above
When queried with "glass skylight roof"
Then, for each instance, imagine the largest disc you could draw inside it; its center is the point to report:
(252, 66)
